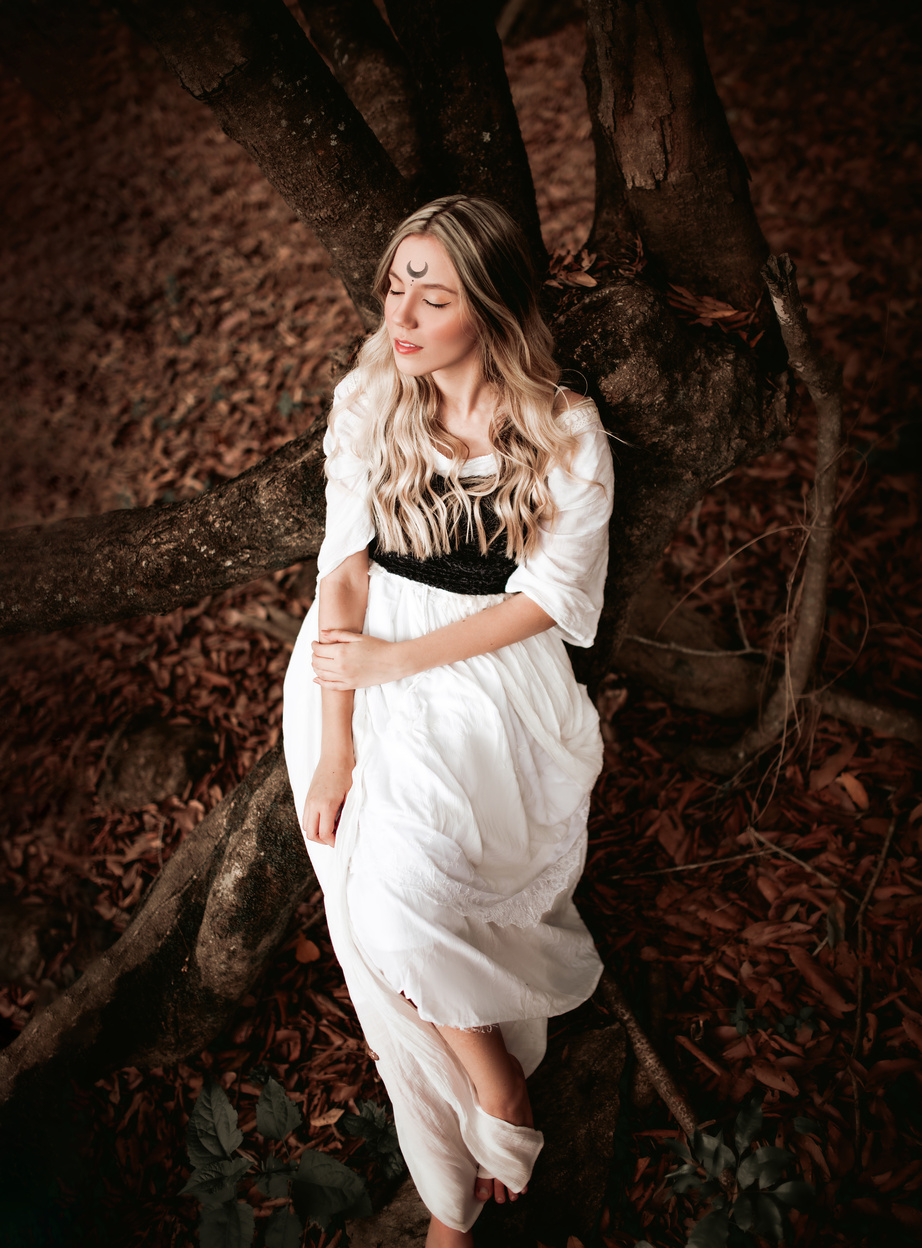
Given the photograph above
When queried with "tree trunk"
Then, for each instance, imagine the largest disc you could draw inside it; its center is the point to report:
(371, 66)
(203, 933)
(657, 121)
(270, 89)
(474, 141)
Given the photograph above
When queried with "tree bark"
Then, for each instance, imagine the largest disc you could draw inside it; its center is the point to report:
(689, 407)
(211, 919)
(153, 559)
(474, 143)
(658, 120)
(270, 89)
(373, 69)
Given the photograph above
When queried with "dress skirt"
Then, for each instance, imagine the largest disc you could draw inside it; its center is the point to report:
(449, 890)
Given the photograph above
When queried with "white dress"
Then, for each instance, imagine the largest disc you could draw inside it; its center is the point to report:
(464, 833)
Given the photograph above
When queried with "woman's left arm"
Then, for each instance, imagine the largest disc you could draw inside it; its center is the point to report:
(346, 660)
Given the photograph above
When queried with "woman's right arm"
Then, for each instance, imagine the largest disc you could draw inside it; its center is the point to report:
(343, 600)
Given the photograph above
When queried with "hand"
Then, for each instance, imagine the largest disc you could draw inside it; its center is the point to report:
(331, 781)
(345, 660)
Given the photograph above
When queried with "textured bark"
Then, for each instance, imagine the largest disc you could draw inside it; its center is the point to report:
(689, 408)
(575, 1095)
(215, 913)
(474, 143)
(370, 65)
(154, 559)
(271, 90)
(656, 117)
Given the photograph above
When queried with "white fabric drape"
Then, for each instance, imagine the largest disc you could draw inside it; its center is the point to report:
(464, 833)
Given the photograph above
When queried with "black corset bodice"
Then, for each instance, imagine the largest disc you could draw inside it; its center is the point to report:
(464, 570)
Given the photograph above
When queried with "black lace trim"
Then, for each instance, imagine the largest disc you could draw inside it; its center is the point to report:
(464, 570)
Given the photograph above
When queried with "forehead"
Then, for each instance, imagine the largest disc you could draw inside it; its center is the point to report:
(420, 250)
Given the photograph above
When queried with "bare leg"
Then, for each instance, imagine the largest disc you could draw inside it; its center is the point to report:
(442, 1236)
(500, 1085)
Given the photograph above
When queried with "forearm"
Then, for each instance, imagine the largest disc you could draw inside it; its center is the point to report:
(516, 619)
(343, 600)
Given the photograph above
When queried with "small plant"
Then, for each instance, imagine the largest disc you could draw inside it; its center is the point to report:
(749, 1195)
(316, 1188)
(379, 1133)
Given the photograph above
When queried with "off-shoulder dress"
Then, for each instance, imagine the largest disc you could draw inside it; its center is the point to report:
(449, 890)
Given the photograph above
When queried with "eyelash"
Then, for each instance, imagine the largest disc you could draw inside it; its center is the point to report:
(427, 302)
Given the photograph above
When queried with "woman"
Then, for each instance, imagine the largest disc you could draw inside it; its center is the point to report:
(441, 753)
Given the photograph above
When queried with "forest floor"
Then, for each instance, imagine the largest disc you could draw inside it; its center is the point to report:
(174, 323)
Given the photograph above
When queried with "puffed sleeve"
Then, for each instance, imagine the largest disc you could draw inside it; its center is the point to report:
(565, 575)
(349, 525)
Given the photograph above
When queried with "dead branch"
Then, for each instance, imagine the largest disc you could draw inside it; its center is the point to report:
(614, 1000)
(823, 379)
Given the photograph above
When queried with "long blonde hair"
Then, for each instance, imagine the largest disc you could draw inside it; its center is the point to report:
(401, 426)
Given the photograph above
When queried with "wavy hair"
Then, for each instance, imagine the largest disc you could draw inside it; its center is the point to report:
(400, 413)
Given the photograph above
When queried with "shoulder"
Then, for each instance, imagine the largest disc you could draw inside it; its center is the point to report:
(576, 413)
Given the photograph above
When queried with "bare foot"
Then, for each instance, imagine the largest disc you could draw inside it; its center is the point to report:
(499, 1082)
(509, 1102)
(442, 1236)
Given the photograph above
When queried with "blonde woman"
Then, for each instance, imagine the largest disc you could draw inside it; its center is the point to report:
(441, 753)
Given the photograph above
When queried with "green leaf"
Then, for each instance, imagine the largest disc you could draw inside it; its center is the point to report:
(373, 1124)
(285, 1229)
(807, 1126)
(212, 1130)
(772, 1164)
(679, 1147)
(229, 1225)
(757, 1212)
(276, 1115)
(713, 1154)
(324, 1189)
(748, 1123)
(216, 1182)
(274, 1177)
(711, 1231)
(797, 1193)
(743, 1211)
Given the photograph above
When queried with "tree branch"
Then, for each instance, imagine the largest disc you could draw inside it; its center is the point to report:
(823, 379)
(153, 559)
(659, 121)
(270, 89)
(476, 145)
(371, 66)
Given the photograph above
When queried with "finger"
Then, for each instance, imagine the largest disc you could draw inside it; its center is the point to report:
(327, 833)
(338, 635)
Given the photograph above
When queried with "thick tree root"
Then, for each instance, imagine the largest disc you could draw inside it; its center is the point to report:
(210, 921)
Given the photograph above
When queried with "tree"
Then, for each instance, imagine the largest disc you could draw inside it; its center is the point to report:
(691, 404)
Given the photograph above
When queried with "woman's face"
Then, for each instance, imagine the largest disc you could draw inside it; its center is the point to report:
(423, 311)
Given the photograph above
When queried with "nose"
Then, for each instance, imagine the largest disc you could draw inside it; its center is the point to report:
(405, 314)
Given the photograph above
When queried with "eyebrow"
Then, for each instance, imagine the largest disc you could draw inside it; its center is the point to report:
(426, 285)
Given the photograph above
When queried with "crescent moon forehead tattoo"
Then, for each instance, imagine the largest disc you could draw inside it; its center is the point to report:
(417, 272)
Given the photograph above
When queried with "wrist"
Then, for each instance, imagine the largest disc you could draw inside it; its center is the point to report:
(407, 655)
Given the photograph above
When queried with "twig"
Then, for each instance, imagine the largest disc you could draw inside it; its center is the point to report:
(786, 853)
(688, 866)
(614, 1000)
(703, 654)
(823, 378)
(859, 982)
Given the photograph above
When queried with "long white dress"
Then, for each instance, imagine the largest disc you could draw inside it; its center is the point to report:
(464, 833)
